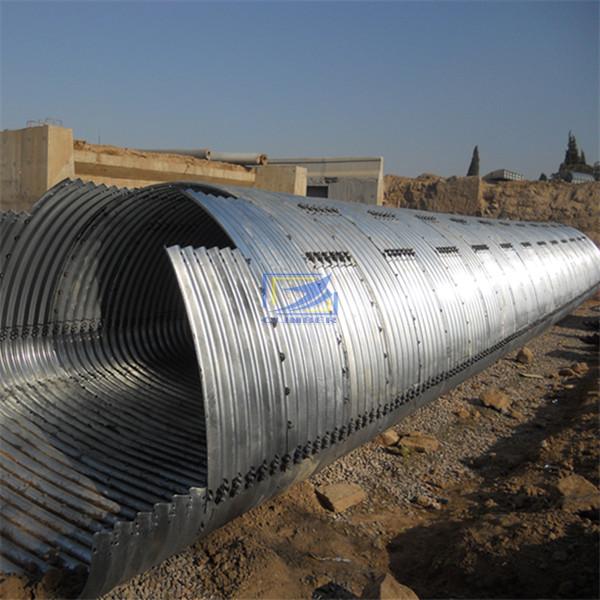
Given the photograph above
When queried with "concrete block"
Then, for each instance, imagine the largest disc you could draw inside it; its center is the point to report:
(288, 179)
(31, 161)
(338, 497)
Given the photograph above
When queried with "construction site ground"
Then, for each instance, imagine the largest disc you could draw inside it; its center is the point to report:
(496, 510)
(486, 515)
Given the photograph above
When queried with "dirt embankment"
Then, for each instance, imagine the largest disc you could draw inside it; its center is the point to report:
(573, 204)
(177, 160)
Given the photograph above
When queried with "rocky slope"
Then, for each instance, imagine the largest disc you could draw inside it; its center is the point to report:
(574, 204)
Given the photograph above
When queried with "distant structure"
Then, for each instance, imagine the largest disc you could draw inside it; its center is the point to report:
(355, 179)
(574, 168)
(577, 177)
(474, 166)
(504, 175)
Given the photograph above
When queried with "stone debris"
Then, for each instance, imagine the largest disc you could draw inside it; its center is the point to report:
(419, 442)
(466, 412)
(427, 502)
(388, 438)
(567, 372)
(516, 414)
(338, 497)
(398, 451)
(580, 368)
(494, 398)
(578, 494)
(14, 587)
(531, 375)
(525, 356)
(386, 587)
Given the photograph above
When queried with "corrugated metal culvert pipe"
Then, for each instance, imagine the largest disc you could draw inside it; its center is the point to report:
(174, 355)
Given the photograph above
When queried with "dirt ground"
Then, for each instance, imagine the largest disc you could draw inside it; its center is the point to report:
(487, 515)
(505, 507)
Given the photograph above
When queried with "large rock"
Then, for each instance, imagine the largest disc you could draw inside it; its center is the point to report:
(338, 497)
(494, 398)
(578, 494)
(388, 438)
(387, 587)
(525, 356)
(419, 442)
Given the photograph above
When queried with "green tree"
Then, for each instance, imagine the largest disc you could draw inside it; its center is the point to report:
(474, 166)
(574, 160)
(543, 177)
(572, 152)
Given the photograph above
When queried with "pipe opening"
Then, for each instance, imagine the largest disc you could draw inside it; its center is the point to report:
(112, 421)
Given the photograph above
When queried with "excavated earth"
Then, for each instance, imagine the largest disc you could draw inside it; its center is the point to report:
(577, 205)
(488, 514)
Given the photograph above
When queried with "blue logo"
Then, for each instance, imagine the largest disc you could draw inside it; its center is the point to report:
(299, 298)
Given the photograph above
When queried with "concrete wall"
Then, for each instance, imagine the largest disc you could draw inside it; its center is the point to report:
(31, 161)
(286, 179)
(353, 189)
(356, 179)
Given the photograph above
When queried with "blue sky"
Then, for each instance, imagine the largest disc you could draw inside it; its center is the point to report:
(419, 83)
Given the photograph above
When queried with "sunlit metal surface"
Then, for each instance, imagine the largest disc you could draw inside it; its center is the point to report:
(148, 397)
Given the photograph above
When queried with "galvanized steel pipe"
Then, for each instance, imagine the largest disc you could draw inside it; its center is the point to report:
(150, 393)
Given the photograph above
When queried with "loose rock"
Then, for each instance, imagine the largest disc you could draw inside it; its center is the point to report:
(581, 368)
(494, 398)
(398, 451)
(387, 587)
(14, 587)
(388, 438)
(516, 414)
(427, 502)
(338, 497)
(578, 494)
(567, 372)
(466, 413)
(525, 356)
(420, 442)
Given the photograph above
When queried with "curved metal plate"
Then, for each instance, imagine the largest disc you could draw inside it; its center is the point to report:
(150, 392)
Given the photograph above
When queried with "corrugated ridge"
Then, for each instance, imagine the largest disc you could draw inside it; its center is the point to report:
(147, 394)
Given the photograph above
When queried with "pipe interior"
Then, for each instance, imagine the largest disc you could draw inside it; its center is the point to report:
(114, 422)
